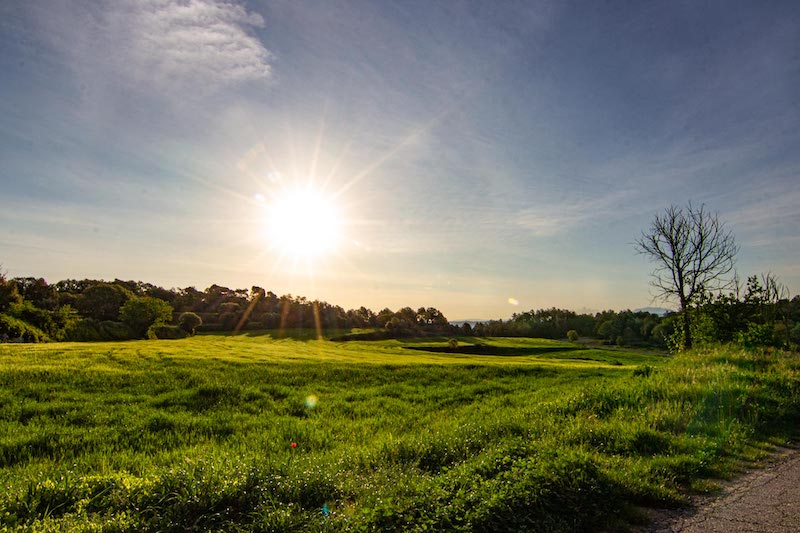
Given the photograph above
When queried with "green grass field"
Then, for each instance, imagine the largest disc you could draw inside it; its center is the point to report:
(250, 433)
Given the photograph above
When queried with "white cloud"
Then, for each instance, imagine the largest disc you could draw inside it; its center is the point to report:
(189, 48)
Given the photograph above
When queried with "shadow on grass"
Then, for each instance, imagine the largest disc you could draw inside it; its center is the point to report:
(485, 349)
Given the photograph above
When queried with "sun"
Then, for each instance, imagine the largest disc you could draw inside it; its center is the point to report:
(303, 223)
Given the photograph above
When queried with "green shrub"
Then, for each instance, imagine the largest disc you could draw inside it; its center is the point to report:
(12, 328)
(84, 330)
(207, 327)
(572, 335)
(756, 335)
(91, 330)
(114, 331)
(166, 332)
(139, 314)
(189, 321)
(38, 318)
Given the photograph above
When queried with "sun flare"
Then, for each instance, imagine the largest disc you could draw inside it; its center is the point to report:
(303, 223)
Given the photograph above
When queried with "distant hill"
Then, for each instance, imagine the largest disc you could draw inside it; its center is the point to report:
(660, 311)
(470, 321)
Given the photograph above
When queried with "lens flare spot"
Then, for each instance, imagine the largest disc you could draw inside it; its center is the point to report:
(311, 401)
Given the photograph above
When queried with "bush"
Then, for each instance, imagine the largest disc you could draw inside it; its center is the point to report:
(208, 327)
(189, 321)
(12, 329)
(84, 330)
(110, 330)
(756, 335)
(38, 318)
(572, 335)
(140, 314)
(166, 332)
(91, 330)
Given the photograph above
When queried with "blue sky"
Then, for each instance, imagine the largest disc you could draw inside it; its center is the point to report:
(476, 152)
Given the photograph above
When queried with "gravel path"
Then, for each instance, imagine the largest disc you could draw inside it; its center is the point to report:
(763, 500)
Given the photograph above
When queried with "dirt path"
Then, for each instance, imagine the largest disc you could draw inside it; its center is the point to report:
(763, 500)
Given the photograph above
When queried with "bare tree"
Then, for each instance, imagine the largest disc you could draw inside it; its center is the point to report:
(693, 252)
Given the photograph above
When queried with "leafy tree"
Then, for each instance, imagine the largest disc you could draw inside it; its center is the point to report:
(38, 292)
(9, 294)
(606, 330)
(189, 321)
(693, 253)
(139, 314)
(384, 316)
(189, 299)
(102, 301)
(407, 315)
(431, 317)
(361, 317)
(257, 293)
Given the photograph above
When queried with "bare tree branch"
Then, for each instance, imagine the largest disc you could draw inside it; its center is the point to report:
(693, 252)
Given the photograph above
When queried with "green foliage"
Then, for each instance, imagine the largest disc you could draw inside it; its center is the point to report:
(110, 330)
(14, 329)
(52, 323)
(8, 293)
(166, 332)
(37, 292)
(196, 434)
(102, 301)
(756, 335)
(572, 335)
(83, 330)
(39, 318)
(139, 314)
(91, 330)
(189, 322)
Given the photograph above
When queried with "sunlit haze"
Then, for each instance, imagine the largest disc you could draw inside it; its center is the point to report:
(482, 158)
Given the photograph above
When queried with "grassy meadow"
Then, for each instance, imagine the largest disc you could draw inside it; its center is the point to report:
(254, 433)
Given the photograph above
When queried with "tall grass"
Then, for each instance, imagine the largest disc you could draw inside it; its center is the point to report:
(222, 434)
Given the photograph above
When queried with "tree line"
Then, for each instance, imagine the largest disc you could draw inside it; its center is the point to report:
(755, 313)
(33, 310)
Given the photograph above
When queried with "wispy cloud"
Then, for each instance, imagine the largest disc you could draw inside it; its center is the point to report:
(552, 218)
(190, 48)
